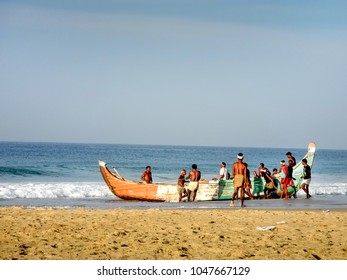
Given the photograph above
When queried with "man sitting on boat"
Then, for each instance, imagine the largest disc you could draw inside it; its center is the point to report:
(223, 172)
(147, 175)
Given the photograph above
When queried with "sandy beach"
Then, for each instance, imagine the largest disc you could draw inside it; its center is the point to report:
(213, 234)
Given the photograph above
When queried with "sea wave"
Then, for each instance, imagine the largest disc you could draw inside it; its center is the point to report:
(19, 171)
(53, 190)
(329, 189)
(23, 171)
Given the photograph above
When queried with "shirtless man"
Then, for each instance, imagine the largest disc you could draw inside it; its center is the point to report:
(194, 176)
(248, 184)
(147, 175)
(240, 179)
(262, 169)
(290, 157)
(180, 185)
(269, 184)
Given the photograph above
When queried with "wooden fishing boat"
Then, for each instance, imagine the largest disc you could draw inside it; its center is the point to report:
(127, 189)
(212, 190)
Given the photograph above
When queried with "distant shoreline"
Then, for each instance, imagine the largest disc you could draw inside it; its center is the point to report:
(164, 145)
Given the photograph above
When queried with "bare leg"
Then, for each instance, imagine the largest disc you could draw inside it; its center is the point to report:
(242, 196)
(233, 198)
(184, 194)
(285, 191)
(194, 194)
(188, 194)
(308, 192)
(248, 192)
(294, 188)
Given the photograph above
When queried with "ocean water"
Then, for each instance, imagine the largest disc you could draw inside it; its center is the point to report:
(67, 175)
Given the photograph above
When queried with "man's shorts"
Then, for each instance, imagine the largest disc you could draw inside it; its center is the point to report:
(193, 186)
(180, 189)
(270, 185)
(306, 181)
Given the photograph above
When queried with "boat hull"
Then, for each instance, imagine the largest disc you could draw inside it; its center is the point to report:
(131, 190)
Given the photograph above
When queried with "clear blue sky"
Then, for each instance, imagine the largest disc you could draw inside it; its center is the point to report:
(216, 73)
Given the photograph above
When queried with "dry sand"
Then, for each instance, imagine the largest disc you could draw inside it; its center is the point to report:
(84, 234)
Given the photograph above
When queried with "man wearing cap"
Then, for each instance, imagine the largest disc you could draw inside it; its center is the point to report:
(282, 164)
(286, 179)
(239, 174)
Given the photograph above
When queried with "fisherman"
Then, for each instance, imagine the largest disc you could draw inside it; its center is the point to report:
(282, 164)
(287, 179)
(262, 169)
(290, 175)
(240, 177)
(147, 175)
(180, 185)
(223, 172)
(275, 176)
(248, 183)
(307, 178)
(284, 179)
(194, 176)
(290, 157)
(269, 184)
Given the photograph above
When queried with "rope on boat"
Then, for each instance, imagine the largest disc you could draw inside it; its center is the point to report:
(117, 174)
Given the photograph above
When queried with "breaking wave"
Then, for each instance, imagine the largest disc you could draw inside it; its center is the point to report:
(54, 190)
(99, 189)
(24, 172)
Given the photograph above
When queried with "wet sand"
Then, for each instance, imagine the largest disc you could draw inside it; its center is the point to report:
(172, 234)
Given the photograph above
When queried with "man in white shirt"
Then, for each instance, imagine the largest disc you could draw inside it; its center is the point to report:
(223, 171)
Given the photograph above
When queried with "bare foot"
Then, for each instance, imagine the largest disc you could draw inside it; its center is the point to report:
(232, 204)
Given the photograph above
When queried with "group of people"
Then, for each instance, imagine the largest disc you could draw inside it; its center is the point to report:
(242, 181)
(286, 176)
(194, 177)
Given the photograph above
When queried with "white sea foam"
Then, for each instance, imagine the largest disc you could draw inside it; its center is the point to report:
(53, 190)
(329, 189)
(99, 189)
